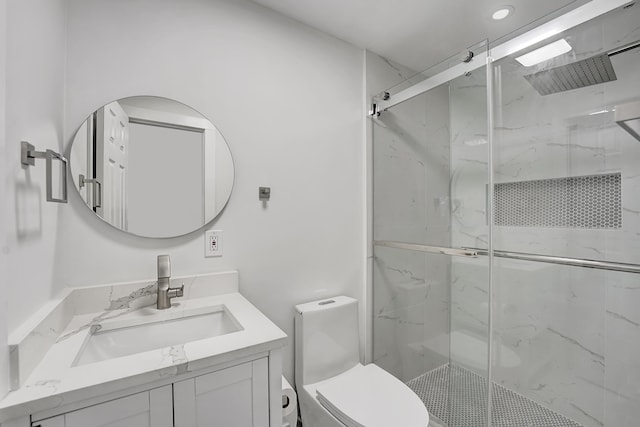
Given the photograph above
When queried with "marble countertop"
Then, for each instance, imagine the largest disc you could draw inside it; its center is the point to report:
(54, 381)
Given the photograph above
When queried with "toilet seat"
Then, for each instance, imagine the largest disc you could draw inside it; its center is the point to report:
(368, 396)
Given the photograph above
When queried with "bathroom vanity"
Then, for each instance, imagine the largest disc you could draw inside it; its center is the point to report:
(178, 352)
(105, 356)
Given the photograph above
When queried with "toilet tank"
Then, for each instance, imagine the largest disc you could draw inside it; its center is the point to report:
(327, 342)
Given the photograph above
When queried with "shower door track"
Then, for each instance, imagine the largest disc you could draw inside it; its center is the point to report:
(475, 252)
(548, 30)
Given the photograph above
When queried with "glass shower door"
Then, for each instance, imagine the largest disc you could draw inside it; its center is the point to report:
(430, 295)
(555, 286)
(567, 191)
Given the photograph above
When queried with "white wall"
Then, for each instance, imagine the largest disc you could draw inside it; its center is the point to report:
(287, 99)
(4, 349)
(35, 110)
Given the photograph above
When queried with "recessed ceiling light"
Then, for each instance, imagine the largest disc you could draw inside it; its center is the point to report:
(502, 13)
(545, 53)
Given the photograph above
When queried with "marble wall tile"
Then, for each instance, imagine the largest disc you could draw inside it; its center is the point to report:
(622, 350)
(469, 227)
(411, 312)
(469, 161)
(411, 171)
(400, 279)
(411, 204)
(551, 317)
(570, 328)
(563, 336)
(386, 75)
(394, 350)
(381, 74)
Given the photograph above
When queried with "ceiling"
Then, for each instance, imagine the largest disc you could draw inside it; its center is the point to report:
(416, 33)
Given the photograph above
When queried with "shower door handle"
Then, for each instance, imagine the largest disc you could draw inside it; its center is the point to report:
(463, 252)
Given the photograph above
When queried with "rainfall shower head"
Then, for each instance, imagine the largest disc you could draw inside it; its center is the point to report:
(586, 72)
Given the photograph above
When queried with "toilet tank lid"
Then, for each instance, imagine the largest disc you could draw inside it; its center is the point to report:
(325, 304)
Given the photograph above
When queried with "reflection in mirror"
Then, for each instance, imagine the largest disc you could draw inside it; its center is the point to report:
(152, 166)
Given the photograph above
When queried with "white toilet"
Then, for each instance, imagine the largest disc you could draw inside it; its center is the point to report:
(334, 389)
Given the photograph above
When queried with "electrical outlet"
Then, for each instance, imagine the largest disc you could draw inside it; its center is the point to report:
(213, 243)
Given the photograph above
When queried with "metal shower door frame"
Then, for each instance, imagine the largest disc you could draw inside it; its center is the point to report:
(571, 19)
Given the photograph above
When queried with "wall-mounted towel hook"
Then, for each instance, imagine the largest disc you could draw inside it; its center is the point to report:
(264, 193)
(28, 156)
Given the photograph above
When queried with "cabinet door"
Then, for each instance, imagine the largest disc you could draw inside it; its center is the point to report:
(148, 409)
(236, 396)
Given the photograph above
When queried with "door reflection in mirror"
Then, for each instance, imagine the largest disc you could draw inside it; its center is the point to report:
(152, 166)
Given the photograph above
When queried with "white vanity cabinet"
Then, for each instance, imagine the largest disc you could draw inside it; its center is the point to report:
(151, 408)
(237, 396)
(216, 361)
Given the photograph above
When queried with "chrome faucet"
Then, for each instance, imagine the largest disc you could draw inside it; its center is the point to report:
(165, 293)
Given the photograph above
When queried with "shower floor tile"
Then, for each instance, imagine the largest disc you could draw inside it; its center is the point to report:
(457, 397)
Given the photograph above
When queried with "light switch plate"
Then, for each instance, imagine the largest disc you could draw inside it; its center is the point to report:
(213, 243)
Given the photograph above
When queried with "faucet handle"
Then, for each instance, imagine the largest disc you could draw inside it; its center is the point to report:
(176, 292)
(164, 266)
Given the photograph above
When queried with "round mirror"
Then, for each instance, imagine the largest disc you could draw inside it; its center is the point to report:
(152, 166)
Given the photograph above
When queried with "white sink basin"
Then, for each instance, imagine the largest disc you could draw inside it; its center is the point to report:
(107, 341)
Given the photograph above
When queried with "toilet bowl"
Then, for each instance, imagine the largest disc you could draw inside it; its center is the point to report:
(334, 389)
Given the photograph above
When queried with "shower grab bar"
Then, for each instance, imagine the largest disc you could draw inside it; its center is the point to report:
(470, 253)
(523, 256)
(574, 262)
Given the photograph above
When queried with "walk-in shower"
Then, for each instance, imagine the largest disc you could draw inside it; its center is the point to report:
(506, 228)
